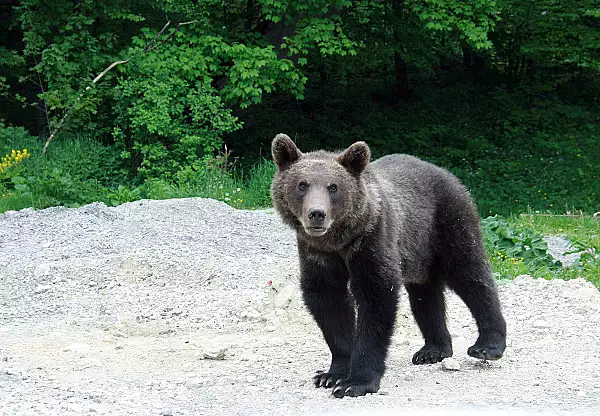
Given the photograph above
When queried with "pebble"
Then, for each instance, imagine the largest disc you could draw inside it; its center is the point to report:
(450, 364)
(540, 323)
(251, 314)
(78, 347)
(270, 328)
(250, 379)
(41, 289)
(99, 408)
(215, 354)
(383, 392)
(166, 412)
(42, 270)
(284, 297)
(195, 382)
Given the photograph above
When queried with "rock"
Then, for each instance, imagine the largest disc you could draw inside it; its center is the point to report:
(166, 412)
(42, 270)
(383, 392)
(127, 319)
(79, 348)
(284, 297)
(270, 328)
(41, 289)
(250, 314)
(215, 354)
(540, 323)
(584, 293)
(450, 364)
(99, 408)
(250, 379)
(195, 382)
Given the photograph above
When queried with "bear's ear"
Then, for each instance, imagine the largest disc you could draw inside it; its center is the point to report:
(284, 151)
(355, 158)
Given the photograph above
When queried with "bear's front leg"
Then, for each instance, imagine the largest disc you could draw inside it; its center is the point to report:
(324, 283)
(373, 283)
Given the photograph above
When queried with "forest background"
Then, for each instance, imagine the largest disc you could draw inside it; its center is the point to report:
(121, 100)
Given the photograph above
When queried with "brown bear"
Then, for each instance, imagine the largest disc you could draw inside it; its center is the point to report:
(365, 228)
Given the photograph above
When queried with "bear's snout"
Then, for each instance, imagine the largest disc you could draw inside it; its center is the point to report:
(317, 215)
(316, 220)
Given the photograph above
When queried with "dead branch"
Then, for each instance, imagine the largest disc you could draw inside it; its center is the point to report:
(158, 35)
(148, 48)
(170, 35)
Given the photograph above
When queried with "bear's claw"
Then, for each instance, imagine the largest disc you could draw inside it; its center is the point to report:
(327, 379)
(354, 388)
(485, 353)
(431, 354)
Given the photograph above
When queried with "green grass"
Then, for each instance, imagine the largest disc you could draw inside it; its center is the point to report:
(241, 189)
(583, 231)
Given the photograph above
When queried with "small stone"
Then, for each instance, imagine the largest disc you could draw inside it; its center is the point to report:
(74, 407)
(41, 289)
(540, 323)
(166, 412)
(215, 354)
(195, 382)
(450, 364)
(270, 328)
(383, 392)
(99, 408)
(78, 347)
(250, 379)
(251, 314)
(92, 283)
(42, 270)
(284, 297)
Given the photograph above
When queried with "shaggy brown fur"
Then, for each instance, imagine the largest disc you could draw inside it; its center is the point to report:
(364, 228)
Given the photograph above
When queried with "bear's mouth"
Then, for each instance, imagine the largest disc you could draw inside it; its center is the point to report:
(315, 231)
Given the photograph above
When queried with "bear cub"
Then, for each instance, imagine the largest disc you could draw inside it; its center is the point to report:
(363, 228)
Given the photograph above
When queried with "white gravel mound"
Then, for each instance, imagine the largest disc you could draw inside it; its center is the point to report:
(189, 307)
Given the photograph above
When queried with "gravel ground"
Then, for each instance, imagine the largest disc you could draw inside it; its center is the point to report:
(189, 307)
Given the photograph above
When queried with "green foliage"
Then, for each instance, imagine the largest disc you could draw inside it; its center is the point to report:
(472, 19)
(589, 257)
(72, 173)
(582, 231)
(167, 111)
(548, 33)
(517, 245)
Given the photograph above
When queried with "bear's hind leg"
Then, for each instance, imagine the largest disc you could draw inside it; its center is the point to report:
(476, 287)
(429, 310)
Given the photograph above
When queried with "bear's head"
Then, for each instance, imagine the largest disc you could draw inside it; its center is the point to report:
(313, 191)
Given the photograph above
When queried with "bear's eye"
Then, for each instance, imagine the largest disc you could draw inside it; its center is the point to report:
(332, 188)
(302, 186)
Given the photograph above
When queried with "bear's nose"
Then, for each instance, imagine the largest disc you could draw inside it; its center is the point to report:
(316, 214)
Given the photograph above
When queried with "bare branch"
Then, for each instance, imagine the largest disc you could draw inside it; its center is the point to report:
(170, 35)
(158, 35)
(89, 87)
(148, 48)
(44, 100)
(101, 74)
